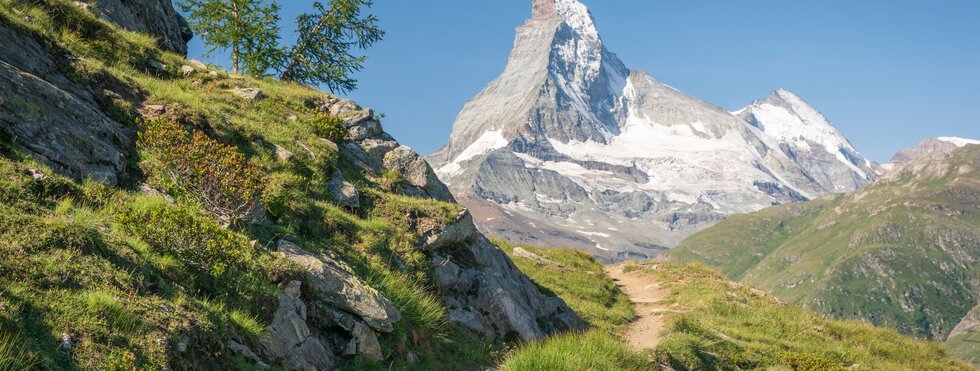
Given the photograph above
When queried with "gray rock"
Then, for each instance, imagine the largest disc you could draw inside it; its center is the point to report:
(446, 272)
(289, 340)
(55, 119)
(344, 193)
(248, 93)
(282, 153)
(186, 70)
(459, 232)
(198, 65)
(157, 65)
(155, 17)
(417, 172)
(335, 283)
(363, 130)
(245, 352)
(367, 342)
(339, 107)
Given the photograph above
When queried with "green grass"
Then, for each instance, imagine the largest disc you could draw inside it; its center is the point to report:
(593, 350)
(104, 267)
(723, 325)
(577, 278)
(893, 253)
(581, 282)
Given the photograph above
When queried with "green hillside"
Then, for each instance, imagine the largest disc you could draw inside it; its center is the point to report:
(714, 324)
(900, 253)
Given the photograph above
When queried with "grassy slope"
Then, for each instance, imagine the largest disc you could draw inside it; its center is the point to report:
(594, 296)
(900, 242)
(723, 325)
(720, 325)
(73, 266)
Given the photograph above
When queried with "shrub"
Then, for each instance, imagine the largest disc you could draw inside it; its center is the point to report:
(195, 240)
(194, 165)
(328, 126)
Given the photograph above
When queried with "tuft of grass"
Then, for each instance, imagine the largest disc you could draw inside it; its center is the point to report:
(593, 350)
(14, 356)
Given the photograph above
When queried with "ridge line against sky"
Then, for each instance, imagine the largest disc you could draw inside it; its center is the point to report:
(888, 74)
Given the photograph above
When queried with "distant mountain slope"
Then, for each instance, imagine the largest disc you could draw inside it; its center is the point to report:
(901, 252)
(929, 147)
(586, 153)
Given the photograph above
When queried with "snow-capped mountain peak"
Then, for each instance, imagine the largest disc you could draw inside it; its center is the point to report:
(569, 147)
(804, 133)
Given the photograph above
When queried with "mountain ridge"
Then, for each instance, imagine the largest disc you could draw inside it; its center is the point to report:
(610, 160)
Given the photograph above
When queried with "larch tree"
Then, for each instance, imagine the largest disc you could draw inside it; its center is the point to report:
(327, 39)
(247, 28)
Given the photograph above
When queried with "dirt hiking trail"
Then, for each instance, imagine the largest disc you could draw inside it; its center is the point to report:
(646, 295)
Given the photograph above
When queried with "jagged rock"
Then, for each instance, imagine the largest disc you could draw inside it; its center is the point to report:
(155, 17)
(458, 232)
(339, 107)
(363, 130)
(282, 153)
(186, 70)
(289, 340)
(59, 121)
(367, 342)
(357, 117)
(335, 284)
(213, 74)
(416, 171)
(344, 193)
(248, 93)
(446, 272)
(247, 353)
(504, 304)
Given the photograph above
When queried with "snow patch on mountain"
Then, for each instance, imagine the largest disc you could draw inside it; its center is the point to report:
(959, 142)
(488, 142)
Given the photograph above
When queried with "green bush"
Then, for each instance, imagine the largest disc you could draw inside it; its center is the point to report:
(196, 166)
(194, 239)
(328, 126)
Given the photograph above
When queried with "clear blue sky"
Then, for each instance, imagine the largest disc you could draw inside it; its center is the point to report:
(887, 73)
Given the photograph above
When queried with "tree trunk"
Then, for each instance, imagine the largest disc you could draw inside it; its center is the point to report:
(234, 57)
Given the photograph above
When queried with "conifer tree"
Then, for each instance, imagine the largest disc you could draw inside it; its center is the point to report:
(327, 38)
(247, 28)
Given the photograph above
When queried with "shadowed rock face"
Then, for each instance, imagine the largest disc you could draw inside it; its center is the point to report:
(612, 161)
(62, 122)
(155, 17)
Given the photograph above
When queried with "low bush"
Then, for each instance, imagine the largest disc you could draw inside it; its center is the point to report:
(328, 126)
(196, 166)
(194, 239)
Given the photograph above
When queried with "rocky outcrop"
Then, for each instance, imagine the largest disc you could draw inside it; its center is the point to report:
(62, 122)
(334, 283)
(289, 340)
(484, 291)
(155, 17)
(344, 193)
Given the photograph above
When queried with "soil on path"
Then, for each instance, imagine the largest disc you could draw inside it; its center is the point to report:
(646, 295)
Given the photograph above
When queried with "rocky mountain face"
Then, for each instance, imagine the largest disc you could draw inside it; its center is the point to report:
(930, 147)
(901, 252)
(569, 147)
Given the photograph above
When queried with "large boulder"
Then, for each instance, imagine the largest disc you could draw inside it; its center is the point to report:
(154, 17)
(344, 193)
(334, 283)
(289, 341)
(61, 122)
